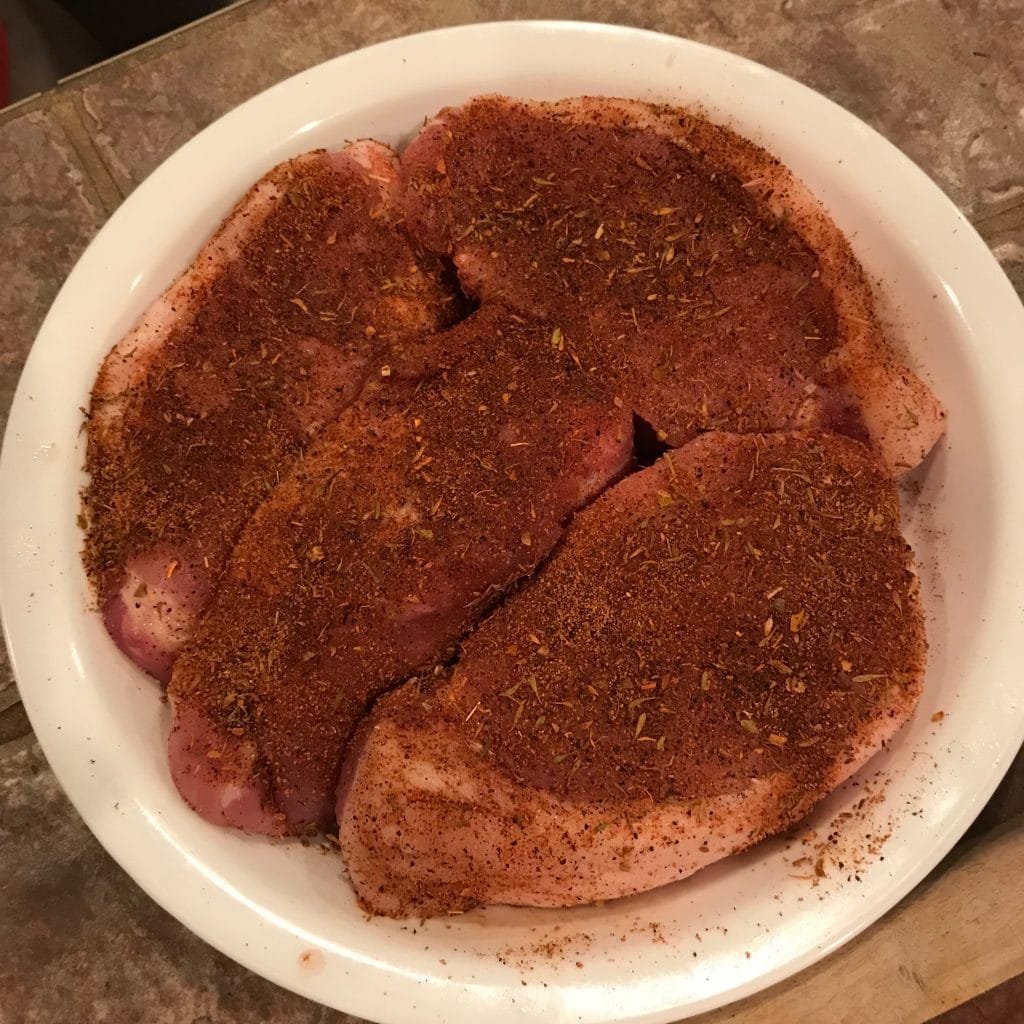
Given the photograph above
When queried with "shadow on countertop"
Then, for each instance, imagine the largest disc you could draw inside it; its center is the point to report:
(47, 40)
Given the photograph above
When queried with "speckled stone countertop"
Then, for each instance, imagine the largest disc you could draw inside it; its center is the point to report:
(79, 942)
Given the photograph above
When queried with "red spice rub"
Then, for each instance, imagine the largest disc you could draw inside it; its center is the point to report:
(721, 294)
(734, 624)
(720, 640)
(541, 203)
(198, 412)
(372, 559)
(742, 614)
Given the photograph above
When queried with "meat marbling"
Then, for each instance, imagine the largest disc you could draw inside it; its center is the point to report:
(720, 293)
(198, 411)
(720, 640)
(431, 493)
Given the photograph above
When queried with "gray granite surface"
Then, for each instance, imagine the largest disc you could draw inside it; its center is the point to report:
(48, 213)
(80, 942)
(943, 80)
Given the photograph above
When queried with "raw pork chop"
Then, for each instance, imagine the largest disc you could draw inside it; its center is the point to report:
(720, 641)
(723, 295)
(429, 496)
(197, 413)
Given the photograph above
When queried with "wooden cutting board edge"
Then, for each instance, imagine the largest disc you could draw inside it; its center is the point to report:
(958, 934)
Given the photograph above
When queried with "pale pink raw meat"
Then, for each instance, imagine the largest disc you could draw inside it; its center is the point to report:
(721, 640)
(429, 497)
(712, 646)
(198, 411)
(720, 293)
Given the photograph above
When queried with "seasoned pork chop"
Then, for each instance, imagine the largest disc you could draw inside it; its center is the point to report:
(198, 412)
(719, 642)
(432, 493)
(722, 295)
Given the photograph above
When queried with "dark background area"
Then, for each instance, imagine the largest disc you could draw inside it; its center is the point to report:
(42, 41)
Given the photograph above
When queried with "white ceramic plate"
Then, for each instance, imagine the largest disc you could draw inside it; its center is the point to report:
(285, 910)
